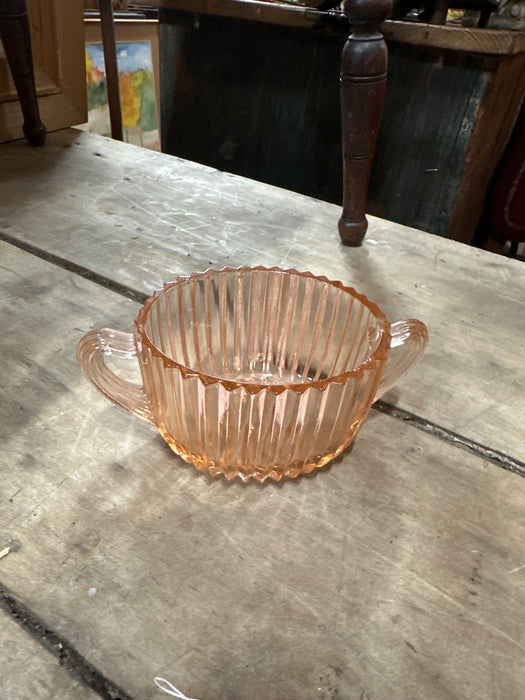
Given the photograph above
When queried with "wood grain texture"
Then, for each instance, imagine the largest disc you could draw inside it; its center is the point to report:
(253, 10)
(398, 571)
(467, 39)
(144, 218)
(447, 37)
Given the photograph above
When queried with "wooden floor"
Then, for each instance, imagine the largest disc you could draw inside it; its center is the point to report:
(396, 572)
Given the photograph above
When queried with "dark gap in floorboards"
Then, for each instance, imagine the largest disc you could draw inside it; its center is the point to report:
(68, 657)
(495, 457)
(84, 272)
(500, 459)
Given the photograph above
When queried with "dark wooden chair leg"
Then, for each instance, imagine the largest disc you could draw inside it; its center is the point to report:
(363, 82)
(110, 60)
(14, 32)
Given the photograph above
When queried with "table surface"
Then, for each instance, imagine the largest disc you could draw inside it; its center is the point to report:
(396, 572)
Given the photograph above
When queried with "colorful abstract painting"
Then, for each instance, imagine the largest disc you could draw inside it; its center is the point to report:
(137, 93)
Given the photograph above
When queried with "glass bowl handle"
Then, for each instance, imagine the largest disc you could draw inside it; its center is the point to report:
(90, 356)
(409, 339)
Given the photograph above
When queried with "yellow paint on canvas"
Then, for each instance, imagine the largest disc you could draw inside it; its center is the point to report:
(129, 100)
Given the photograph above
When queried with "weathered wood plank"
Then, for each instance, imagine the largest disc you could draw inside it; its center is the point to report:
(143, 218)
(488, 41)
(468, 39)
(398, 571)
(269, 13)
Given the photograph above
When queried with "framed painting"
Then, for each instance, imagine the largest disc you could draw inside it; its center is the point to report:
(138, 65)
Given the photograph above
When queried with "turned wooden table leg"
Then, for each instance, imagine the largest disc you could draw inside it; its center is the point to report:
(363, 83)
(14, 32)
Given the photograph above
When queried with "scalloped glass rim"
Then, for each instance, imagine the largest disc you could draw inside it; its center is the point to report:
(380, 353)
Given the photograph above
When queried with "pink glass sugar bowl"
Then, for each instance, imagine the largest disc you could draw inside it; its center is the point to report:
(254, 372)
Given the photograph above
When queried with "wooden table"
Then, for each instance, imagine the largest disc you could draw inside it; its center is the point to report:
(397, 572)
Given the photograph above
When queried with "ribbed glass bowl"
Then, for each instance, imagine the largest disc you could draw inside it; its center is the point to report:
(254, 372)
(260, 373)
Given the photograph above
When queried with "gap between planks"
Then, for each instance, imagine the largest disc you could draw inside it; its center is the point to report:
(68, 657)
